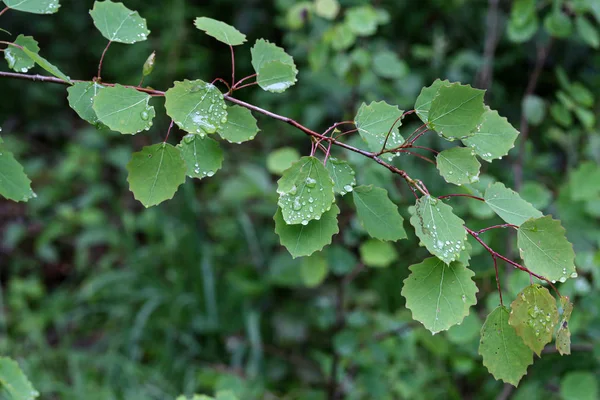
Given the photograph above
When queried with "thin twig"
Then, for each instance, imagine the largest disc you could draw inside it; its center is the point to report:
(242, 80)
(102, 59)
(447, 196)
(5, 10)
(392, 128)
(222, 81)
(497, 278)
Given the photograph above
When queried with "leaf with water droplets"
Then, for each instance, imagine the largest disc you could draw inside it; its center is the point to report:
(439, 229)
(533, 315)
(342, 174)
(509, 205)
(202, 155)
(221, 31)
(378, 214)
(458, 165)
(493, 138)
(81, 98)
(46, 65)
(423, 103)
(14, 184)
(118, 23)
(240, 126)
(196, 107)
(545, 249)
(305, 191)
(374, 122)
(17, 59)
(275, 68)
(303, 240)
(155, 173)
(124, 109)
(34, 6)
(14, 385)
(504, 354)
(563, 335)
(439, 295)
(456, 110)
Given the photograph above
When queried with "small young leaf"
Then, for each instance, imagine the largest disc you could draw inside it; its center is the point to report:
(196, 106)
(305, 191)
(456, 111)
(14, 385)
(377, 254)
(42, 62)
(14, 184)
(281, 159)
(276, 77)
(440, 230)
(314, 270)
(458, 166)
(343, 175)
(34, 6)
(439, 295)
(378, 214)
(202, 155)
(17, 59)
(240, 126)
(563, 335)
(155, 173)
(123, 109)
(149, 64)
(374, 121)
(493, 138)
(504, 353)
(118, 23)
(509, 205)
(303, 240)
(81, 98)
(423, 103)
(533, 315)
(221, 31)
(545, 249)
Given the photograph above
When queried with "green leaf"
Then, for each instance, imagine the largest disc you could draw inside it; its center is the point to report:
(124, 109)
(16, 58)
(579, 385)
(558, 24)
(439, 295)
(303, 240)
(203, 156)
(34, 6)
(423, 103)
(240, 126)
(276, 77)
(378, 214)
(508, 205)
(439, 229)
(362, 20)
(561, 114)
(456, 111)
(81, 98)
(343, 175)
(341, 37)
(155, 173)
(583, 181)
(14, 385)
(281, 159)
(587, 31)
(467, 331)
(533, 315)
(493, 138)
(545, 249)
(42, 62)
(314, 270)
(581, 94)
(563, 335)
(458, 166)
(118, 23)
(503, 351)
(374, 121)
(263, 52)
(14, 184)
(221, 31)
(378, 254)
(327, 9)
(196, 107)
(305, 191)
(534, 109)
(148, 66)
(523, 22)
(386, 64)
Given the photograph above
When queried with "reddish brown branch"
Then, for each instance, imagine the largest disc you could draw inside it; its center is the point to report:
(447, 196)
(5, 10)
(102, 60)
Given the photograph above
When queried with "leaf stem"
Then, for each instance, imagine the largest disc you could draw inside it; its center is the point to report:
(447, 196)
(392, 128)
(497, 226)
(232, 66)
(99, 77)
(242, 80)
(4, 10)
(169, 131)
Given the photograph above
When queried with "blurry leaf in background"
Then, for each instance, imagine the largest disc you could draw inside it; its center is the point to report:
(534, 109)
(580, 385)
(313, 269)
(378, 254)
(14, 385)
(281, 159)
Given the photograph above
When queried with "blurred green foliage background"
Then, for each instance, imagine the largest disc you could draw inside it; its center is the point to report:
(102, 299)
